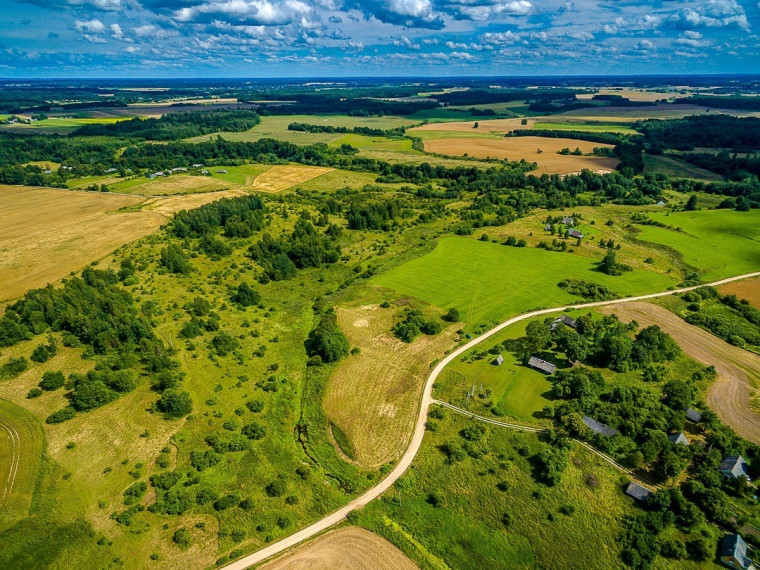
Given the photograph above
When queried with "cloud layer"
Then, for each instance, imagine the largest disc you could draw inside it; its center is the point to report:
(377, 37)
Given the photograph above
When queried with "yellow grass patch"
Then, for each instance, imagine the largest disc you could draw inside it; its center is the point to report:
(282, 177)
(351, 547)
(373, 396)
(180, 184)
(516, 148)
(45, 234)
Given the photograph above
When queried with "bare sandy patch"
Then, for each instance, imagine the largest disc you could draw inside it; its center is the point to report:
(542, 150)
(731, 395)
(353, 547)
(373, 396)
(282, 177)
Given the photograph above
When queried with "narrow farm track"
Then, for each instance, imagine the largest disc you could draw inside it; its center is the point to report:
(519, 427)
(15, 458)
(419, 429)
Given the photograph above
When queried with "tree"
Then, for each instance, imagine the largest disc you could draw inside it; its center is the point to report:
(327, 340)
(175, 404)
(691, 203)
(246, 296)
(452, 316)
(173, 258)
(52, 380)
(538, 336)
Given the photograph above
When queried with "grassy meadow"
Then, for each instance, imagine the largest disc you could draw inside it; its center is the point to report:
(489, 282)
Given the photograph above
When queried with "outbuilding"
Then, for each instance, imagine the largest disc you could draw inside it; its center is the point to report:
(693, 415)
(733, 552)
(637, 491)
(498, 361)
(542, 365)
(678, 438)
(734, 466)
(598, 427)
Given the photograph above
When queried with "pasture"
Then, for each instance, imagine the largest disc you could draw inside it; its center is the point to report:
(374, 396)
(57, 125)
(720, 243)
(542, 150)
(488, 282)
(282, 177)
(670, 166)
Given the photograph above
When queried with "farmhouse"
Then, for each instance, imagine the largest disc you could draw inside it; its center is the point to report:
(564, 320)
(678, 438)
(598, 427)
(575, 234)
(498, 361)
(637, 491)
(733, 552)
(568, 221)
(734, 466)
(197, 165)
(693, 415)
(542, 365)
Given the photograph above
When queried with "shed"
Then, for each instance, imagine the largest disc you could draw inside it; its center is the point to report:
(575, 234)
(221, 172)
(568, 221)
(569, 321)
(637, 491)
(734, 466)
(498, 361)
(733, 552)
(660, 203)
(598, 427)
(693, 415)
(678, 438)
(542, 365)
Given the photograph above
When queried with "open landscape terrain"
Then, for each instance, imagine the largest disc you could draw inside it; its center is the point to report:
(305, 324)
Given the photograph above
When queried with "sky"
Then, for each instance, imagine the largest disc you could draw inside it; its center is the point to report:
(348, 38)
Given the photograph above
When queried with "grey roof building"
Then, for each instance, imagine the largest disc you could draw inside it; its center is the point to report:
(693, 415)
(637, 491)
(498, 361)
(575, 233)
(542, 365)
(568, 221)
(733, 552)
(734, 466)
(598, 427)
(678, 438)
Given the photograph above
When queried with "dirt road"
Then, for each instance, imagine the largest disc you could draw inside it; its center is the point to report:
(419, 428)
(738, 370)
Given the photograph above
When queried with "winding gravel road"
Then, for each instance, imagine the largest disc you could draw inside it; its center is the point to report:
(419, 428)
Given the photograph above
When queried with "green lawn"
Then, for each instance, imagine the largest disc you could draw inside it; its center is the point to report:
(488, 282)
(585, 127)
(721, 243)
(59, 125)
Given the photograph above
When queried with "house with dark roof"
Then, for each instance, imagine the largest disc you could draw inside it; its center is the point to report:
(637, 491)
(498, 361)
(693, 415)
(542, 365)
(598, 427)
(678, 438)
(734, 466)
(733, 552)
(568, 221)
(564, 320)
(575, 234)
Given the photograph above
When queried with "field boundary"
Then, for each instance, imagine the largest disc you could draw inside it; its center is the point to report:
(419, 432)
(15, 459)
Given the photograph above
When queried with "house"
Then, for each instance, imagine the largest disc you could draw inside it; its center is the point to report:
(733, 552)
(542, 365)
(110, 171)
(575, 234)
(205, 173)
(693, 415)
(564, 320)
(548, 227)
(197, 165)
(498, 361)
(734, 466)
(48, 172)
(678, 438)
(221, 172)
(598, 427)
(568, 221)
(637, 491)
(660, 203)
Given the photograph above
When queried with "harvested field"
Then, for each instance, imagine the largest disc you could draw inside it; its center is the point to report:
(46, 233)
(516, 148)
(630, 114)
(748, 289)
(488, 126)
(178, 184)
(373, 396)
(352, 547)
(279, 178)
(731, 395)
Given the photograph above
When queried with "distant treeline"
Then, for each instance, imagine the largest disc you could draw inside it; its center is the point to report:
(714, 131)
(366, 131)
(604, 138)
(319, 104)
(485, 97)
(731, 166)
(722, 102)
(176, 126)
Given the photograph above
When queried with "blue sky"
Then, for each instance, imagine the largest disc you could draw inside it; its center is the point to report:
(312, 38)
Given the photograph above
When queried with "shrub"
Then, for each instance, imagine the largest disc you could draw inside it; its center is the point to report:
(33, 393)
(254, 406)
(61, 415)
(254, 431)
(175, 404)
(276, 488)
(226, 502)
(181, 538)
(13, 367)
(327, 341)
(52, 380)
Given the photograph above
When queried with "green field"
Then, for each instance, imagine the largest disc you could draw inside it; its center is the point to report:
(590, 127)
(58, 125)
(488, 282)
(720, 243)
(677, 168)
(465, 529)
